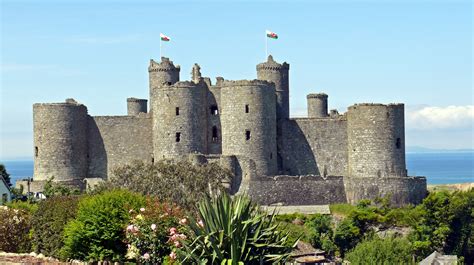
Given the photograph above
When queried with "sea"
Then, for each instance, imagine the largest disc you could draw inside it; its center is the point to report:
(438, 168)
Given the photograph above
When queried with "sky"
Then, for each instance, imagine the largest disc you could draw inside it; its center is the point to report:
(97, 52)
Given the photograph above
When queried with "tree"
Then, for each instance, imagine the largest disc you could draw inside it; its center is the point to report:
(178, 182)
(4, 174)
(382, 251)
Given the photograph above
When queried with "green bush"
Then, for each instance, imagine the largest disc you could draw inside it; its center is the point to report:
(49, 222)
(382, 251)
(177, 182)
(346, 236)
(27, 206)
(322, 232)
(98, 231)
(15, 228)
(234, 231)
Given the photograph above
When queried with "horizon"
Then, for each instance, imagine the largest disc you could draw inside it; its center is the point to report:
(415, 52)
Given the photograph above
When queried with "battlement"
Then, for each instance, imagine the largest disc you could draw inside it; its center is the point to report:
(136, 100)
(67, 102)
(181, 84)
(164, 66)
(317, 95)
(390, 105)
(254, 82)
(271, 64)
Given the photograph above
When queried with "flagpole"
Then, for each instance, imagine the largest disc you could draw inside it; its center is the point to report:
(160, 48)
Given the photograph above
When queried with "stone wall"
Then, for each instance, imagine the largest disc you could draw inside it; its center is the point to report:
(317, 105)
(315, 146)
(136, 106)
(297, 190)
(214, 128)
(118, 140)
(402, 190)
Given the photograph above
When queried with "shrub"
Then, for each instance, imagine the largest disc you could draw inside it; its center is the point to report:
(49, 222)
(97, 232)
(27, 206)
(52, 189)
(346, 236)
(148, 232)
(382, 251)
(322, 233)
(14, 230)
(234, 230)
(178, 182)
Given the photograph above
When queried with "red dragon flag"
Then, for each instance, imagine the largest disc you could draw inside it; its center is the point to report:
(271, 35)
(163, 37)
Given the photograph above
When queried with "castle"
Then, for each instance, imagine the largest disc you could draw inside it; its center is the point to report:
(242, 125)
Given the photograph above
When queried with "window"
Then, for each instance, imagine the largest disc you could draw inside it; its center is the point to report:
(36, 151)
(271, 155)
(215, 137)
(247, 108)
(177, 111)
(247, 135)
(178, 137)
(398, 144)
(214, 110)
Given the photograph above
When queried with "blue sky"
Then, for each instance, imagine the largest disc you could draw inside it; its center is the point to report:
(415, 52)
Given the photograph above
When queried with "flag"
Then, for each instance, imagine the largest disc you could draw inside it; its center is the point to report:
(163, 37)
(271, 35)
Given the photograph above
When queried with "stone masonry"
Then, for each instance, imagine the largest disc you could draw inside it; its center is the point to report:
(243, 125)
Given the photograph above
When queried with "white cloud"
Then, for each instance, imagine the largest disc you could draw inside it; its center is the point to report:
(451, 117)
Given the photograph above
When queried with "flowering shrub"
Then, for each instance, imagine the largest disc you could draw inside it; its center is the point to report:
(14, 230)
(152, 234)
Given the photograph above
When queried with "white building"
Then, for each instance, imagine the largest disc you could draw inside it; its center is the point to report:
(5, 194)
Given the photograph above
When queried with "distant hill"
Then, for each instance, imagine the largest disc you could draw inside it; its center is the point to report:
(420, 149)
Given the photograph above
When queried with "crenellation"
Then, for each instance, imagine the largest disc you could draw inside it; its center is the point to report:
(244, 126)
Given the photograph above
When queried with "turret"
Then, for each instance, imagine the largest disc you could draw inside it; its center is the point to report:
(317, 105)
(136, 106)
(376, 139)
(161, 73)
(278, 74)
(249, 123)
(60, 141)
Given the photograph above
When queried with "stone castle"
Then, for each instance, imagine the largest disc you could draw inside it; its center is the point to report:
(242, 125)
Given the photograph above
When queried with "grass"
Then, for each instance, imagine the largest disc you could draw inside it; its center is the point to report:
(343, 209)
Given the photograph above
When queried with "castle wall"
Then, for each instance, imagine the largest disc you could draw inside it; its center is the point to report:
(60, 140)
(118, 140)
(160, 73)
(214, 128)
(317, 105)
(297, 190)
(136, 106)
(376, 140)
(315, 146)
(179, 120)
(401, 190)
(249, 122)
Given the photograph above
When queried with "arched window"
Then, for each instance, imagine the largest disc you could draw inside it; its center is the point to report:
(215, 135)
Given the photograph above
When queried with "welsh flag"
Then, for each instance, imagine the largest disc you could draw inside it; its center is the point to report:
(271, 35)
(163, 37)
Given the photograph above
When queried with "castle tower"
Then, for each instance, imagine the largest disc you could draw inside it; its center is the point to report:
(278, 74)
(317, 105)
(136, 105)
(179, 120)
(376, 139)
(60, 141)
(161, 73)
(248, 120)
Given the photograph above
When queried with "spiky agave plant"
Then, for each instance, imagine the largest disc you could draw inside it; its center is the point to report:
(234, 231)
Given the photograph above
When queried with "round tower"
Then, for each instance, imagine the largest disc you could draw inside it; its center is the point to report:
(164, 72)
(278, 74)
(60, 141)
(248, 120)
(317, 105)
(136, 105)
(376, 139)
(179, 120)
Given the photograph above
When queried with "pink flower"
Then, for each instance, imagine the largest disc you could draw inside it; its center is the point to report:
(153, 227)
(177, 244)
(200, 223)
(182, 236)
(130, 228)
(142, 209)
(183, 221)
(146, 256)
(173, 255)
(173, 230)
